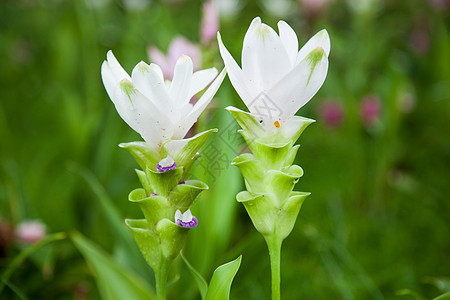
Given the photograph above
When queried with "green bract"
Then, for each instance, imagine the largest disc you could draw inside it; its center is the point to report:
(159, 238)
(269, 174)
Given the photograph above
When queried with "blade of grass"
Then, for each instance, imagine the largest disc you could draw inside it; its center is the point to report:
(25, 253)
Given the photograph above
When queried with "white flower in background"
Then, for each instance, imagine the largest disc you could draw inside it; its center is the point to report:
(30, 232)
(158, 111)
(228, 8)
(178, 46)
(279, 8)
(136, 5)
(276, 79)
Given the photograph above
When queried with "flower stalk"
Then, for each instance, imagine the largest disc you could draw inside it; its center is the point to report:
(161, 276)
(274, 245)
(161, 112)
(275, 80)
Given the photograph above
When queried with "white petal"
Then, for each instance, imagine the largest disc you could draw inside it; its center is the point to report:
(179, 89)
(235, 74)
(291, 127)
(109, 79)
(301, 84)
(201, 79)
(166, 162)
(264, 58)
(191, 118)
(112, 73)
(177, 215)
(321, 39)
(158, 70)
(111, 83)
(143, 116)
(289, 40)
(187, 216)
(147, 80)
(116, 68)
(161, 60)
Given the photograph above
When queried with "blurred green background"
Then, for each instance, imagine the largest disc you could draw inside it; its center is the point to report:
(377, 162)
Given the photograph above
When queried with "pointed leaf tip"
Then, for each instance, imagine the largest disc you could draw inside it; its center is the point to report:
(220, 285)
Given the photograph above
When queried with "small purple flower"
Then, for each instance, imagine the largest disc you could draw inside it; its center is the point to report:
(153, 194)
(182, 182)
(166, 164)
(186, 219)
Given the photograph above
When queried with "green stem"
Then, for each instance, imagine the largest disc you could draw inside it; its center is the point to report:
(274, 245)
(161, 279)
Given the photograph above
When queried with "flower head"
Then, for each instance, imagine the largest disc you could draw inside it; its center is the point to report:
(166, 164)
(159, 112)
(30, 232)
(186, 219)
(179, 46)
(276, 79)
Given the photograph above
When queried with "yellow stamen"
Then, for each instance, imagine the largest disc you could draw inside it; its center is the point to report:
(277, 124)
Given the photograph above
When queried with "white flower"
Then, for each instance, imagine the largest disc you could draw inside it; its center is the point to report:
(185, 217)
(277, 79)
(159, 112)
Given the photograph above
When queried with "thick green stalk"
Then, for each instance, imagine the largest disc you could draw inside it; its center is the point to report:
(161, 279)
(274, 244)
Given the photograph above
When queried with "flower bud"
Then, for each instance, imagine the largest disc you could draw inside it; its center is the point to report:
(30, 232)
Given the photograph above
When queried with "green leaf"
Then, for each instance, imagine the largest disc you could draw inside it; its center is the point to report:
(163, 182)
(184, 151)
(411, 293)
(113, 281)
(445, 296)
(183, 195)
(154, 208)
(172, 238)
(288, 133)
(147, 241)
(144, 181)
(287, 216)
(201, 282)
(144, 155)
(252, 170)
(115, 221)
(281, 183)
(220, 285)
(260, 208)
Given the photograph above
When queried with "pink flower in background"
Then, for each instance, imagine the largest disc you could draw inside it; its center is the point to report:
(332, 113)
(314, 6)
(370, 110)
(210, 22)
(440, 4)
(30, 232)
(178, 47)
